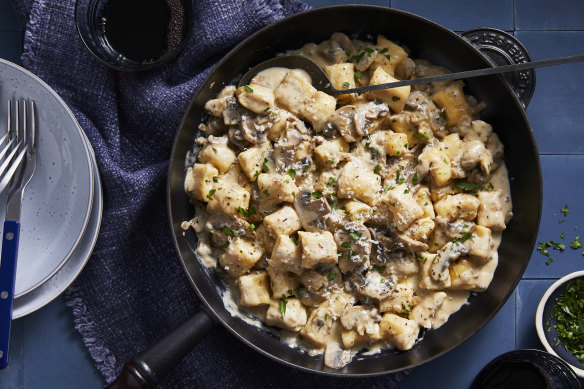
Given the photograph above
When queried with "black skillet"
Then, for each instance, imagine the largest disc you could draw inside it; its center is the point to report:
(426, 40)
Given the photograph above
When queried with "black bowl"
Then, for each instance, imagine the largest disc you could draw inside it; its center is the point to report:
(89, 19)
(426, 40)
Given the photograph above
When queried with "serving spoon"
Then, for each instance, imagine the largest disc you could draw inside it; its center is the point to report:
(322, 83)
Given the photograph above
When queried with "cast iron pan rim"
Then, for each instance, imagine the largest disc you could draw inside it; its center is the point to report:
(209, 309)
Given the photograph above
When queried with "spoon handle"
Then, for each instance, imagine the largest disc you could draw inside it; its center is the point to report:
(467, 74)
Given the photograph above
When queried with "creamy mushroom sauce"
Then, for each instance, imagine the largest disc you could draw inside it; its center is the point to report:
(352, 222)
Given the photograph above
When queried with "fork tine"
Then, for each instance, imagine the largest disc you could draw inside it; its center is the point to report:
(15, 165)
(3, 153)
(33, 117)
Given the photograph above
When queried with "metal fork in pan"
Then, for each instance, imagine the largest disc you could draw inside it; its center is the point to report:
(20, 166)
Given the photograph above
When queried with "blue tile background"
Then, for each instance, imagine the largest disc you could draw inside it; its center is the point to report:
(549, 15)
(460, 15)
(47, 352)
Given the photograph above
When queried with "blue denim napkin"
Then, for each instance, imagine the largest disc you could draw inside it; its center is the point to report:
(133, 289)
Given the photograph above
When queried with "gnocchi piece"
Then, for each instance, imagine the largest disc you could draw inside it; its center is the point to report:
(468, 274)
(240, 255)
(287, 255)
(317, 248)
(251, 161)
(401, 300)
(253, 289)
(320, 327)
(331, 152)
(282, 282)
(358, 211)
(424, 200)
(357, 182)
(389, 55)
(255, 97)
(227, 198)
(277, 187)
(285, 221)
(403, 206)
(396, 143)
(294, 91)
(288, 314)
(479, 244)
(458, 206)
(399, 331)
(199, 180)
(435, 159)
(395, 98)
(432, 275)
(425, 311)
(218, 154)
(342, 76)
(453, 102)
(317, 109)
(491, 210)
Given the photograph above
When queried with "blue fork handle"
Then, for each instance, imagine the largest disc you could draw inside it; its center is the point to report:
(7, 276)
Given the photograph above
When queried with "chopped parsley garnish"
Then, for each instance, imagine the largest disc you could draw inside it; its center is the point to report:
(283, 303)
(384, 50)
(227, 231)
(395, 98)
(331, 181)
(248, 89)
(576, 244)
(211, 192)
(357, 75)
(331, 276)
(225, 245)
(294, 240)
(355, 235)
(346, 85)
(377, 102)
(292, 173)
(388, 57)
(316, 194)
(267, 109)
(256, 173)
(565, 210)
(406, 191)
(466, 186)
(399, 180)
(215, 179)
(346, 245)
(214, 150)
(466, 236)
(379, 268)
(421, 136)
(376, 169)
(265, 168)
(305, 169)
(415, 179)
(569, 318)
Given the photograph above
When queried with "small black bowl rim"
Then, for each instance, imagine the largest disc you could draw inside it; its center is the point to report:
(138, 67)
(539, 319)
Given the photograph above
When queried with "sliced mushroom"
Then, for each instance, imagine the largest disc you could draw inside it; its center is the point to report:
(311, 210)
(475, 153)
(255, 128)
(336, 357)
(333, 52)
(223, 228)
(450, 252)
(372, 284)
(414, 245)
(322, 282)
(405, 68)
(235, 136)
(344, 41)
(308, 298)
(360, 318)
(356, 121)
(224, 101)
(214, 126)
(421, 102)
(354, 244)
(291, 148)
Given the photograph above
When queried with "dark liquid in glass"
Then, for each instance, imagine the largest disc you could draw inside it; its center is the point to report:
(144, 30)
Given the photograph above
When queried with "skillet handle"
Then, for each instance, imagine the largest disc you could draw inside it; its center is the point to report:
(149, 367)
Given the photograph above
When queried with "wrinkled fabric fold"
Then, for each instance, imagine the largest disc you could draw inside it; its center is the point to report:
(133, 289)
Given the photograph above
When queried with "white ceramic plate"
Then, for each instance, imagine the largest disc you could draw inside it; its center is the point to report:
(55, 285)
(541, 326)
(57, 202)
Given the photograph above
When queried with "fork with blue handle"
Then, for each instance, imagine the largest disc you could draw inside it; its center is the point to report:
(20, 164)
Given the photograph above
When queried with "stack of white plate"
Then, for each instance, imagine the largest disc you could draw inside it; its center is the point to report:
(62, 204)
